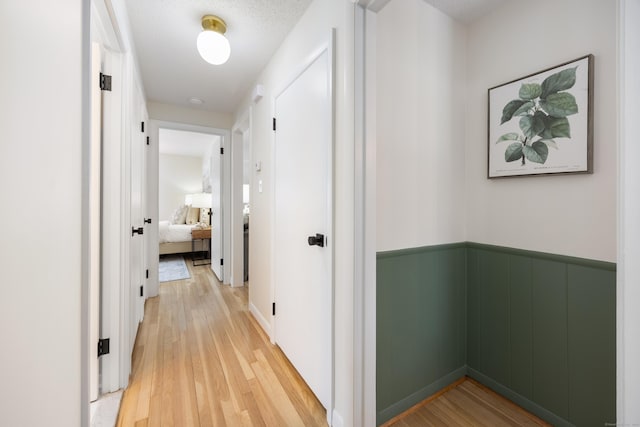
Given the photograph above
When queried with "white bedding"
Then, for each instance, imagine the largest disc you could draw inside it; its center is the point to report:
(170, 233)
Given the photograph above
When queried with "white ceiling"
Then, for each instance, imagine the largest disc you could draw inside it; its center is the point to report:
(165, 31)
(185, 143)
(164, 34)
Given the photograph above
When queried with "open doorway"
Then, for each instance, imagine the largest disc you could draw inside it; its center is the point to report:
(184, 199)
(197, 150)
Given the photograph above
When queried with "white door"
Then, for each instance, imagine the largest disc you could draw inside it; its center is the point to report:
(95, 220)
(136, 217)
(216, 210)
(303, 195)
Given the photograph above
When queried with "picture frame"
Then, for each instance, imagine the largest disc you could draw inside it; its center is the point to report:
(542, 124)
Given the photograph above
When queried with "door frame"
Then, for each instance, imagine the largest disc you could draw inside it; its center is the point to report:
(627, 291)
(364, 310)
(113, 373)
(240, 130)
(328, 46)
(95, 219)
(153, 189)
(113, 261)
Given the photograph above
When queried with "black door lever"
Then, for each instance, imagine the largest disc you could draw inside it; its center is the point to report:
(135, 231)
(317, 240)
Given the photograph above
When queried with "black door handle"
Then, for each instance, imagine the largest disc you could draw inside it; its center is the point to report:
(135, 231)
(147, 220)
(317, 240)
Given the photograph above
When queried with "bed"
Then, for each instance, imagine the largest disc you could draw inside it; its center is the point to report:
(174, 238)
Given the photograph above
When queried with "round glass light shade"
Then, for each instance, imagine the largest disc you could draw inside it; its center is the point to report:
(213, 47)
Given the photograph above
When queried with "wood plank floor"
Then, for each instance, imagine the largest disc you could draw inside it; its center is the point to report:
(465, 405)
(200, 359)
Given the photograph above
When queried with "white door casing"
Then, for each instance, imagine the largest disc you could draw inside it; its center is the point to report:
(136, 270)
(628, 270)
(95, 221)
(303, 206)
(152, 184)
(216, 211)
(113, 223)
(240, 134)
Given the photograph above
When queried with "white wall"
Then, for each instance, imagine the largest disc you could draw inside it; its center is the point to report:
(192, 116)
(177, 176)
(312, 29)
(432, 102)
(41, 182)
(570, 215)
(420, 134)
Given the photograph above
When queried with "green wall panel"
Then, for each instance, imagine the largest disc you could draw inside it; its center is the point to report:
(539, 328)
(421, 324)
(494, 316)
(550, 370)
(451, 309)
(592, 321)
(520, 325)
(473, 309)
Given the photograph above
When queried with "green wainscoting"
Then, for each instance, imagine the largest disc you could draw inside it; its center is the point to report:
(536, 327)
(421, 321)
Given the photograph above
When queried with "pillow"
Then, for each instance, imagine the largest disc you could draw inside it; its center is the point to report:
(180, 215)
(204, 216)
(193, 215)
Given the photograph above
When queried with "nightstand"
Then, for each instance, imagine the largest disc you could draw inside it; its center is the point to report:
(204, 236)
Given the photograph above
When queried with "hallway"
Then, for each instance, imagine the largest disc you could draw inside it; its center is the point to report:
(200, 359)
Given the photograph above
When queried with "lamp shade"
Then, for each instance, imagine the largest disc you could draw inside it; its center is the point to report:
(213, 47)
(201, 200)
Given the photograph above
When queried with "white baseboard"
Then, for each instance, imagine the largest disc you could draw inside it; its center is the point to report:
(260, 318)
(337, 420)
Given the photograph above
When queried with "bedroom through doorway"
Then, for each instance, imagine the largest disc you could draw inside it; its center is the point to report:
(189, 200)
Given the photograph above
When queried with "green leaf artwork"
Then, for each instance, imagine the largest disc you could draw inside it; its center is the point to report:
(542, 110)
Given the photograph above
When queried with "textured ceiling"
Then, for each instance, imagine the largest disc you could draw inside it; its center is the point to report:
(164, 34)
(165, 31)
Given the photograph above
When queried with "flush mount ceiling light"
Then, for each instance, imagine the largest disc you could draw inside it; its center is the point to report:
(213, 46)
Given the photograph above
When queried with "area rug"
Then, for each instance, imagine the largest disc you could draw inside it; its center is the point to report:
(173, 268)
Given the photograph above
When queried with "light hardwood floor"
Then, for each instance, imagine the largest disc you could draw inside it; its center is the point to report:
(200, 359)
(467, 404)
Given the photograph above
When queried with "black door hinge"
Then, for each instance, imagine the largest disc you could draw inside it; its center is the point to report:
(147, 273)
(221, 150)
(221, 261)
(141, 126)
(147, 140)
(103, 346)
(274, 123)
(141, 291)
(273, 309)
(105, 82)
